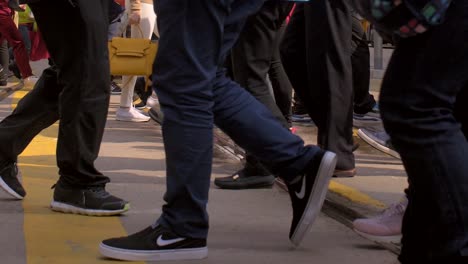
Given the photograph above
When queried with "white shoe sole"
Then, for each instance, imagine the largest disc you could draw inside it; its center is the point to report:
(149, 255)
(316, 198)
(378, 146)
(70, 209)
(10, 191)
(132, 119)
(380, 239)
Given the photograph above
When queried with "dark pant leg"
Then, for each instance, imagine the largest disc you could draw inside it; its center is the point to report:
(193, 91)
(461, 112)
(316, 55)
(252, 58)
(293, 56)
(4, 61)
(10, 32)
(330, 77)
(417, 102)
(184, 72)
(34, 112)
(83, 76)
(282, 88)
(253, 53)
(363, 100)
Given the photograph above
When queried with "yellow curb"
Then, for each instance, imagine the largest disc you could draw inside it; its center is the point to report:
(354, 195)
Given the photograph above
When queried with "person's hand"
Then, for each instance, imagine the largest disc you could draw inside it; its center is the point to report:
(134, 18)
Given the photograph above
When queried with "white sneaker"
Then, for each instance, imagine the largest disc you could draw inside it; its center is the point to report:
(151, 101)
(130, 115)
(30, 82)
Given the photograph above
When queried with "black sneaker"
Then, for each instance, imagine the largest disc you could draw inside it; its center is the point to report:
(140, 105)
(115, 88)
(240, 180)
(15, 70)
(154, 244)
(10, 183)
(308, 194)
(94, 201)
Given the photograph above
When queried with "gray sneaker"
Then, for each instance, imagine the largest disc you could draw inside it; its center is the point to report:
(93, 201)
(378, 139)
(366, 120)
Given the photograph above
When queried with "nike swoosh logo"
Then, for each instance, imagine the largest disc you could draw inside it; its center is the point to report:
(163, 242)
(301, 194)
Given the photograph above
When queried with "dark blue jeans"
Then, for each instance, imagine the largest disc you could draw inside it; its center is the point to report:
(426, 76)
(24, 30)
(195, 93)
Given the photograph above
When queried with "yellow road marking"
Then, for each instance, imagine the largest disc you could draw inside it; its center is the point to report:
(56, 238)
(354, 195)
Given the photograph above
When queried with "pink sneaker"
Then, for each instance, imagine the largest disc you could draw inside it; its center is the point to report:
(383, 228)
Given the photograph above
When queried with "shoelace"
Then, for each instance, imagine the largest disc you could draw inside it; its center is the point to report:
(395, 209)
(99, 191)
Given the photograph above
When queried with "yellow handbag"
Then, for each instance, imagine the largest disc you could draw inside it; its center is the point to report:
(132, 56)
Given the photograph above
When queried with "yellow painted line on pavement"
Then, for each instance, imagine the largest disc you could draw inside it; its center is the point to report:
(354, 195)
(50, 237)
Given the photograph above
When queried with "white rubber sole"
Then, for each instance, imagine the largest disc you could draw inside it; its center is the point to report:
(132, 119)
(380, 239)
(153, 255)
(316, 198)
(10, 191)
(70, 209)
(376, 145)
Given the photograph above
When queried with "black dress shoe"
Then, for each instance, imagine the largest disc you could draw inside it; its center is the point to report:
(240, 180)
(14, 5)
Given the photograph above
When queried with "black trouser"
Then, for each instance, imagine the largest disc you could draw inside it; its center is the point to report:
(316, 54)
(363, 100)
(460, 112)
(423, 105)
(256, 55)
(4, 61)
(76, 91)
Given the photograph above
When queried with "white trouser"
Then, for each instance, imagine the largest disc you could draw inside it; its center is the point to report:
(148, 26)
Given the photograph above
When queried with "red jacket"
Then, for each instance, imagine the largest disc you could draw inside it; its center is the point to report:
(4, 9)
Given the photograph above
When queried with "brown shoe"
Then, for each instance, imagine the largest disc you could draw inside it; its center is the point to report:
(344, 173)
